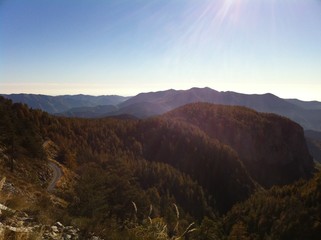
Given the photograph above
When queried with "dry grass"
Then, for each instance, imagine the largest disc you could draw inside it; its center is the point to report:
(156, 228)
(6, 234)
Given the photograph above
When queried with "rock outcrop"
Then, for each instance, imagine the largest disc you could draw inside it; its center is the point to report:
(21, 226)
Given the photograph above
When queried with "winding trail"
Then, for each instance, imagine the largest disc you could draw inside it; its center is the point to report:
(56, 175)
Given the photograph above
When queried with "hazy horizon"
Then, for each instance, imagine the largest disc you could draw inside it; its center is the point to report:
(122, 47)
(129, 96)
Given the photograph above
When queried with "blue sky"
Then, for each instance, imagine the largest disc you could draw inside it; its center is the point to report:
(129, 46)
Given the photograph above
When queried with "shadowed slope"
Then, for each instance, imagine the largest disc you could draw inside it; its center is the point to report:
(272, 148)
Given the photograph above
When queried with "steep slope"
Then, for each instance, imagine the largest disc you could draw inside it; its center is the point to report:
(272, 148)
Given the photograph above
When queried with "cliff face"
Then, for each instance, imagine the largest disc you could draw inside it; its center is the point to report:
(272, 148)
(283, 153)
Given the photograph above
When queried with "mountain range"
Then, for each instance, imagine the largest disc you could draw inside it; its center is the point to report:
(307, 114)
(143, 105)
(65, 103)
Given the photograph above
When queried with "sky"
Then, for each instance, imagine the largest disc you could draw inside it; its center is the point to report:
(103, 47)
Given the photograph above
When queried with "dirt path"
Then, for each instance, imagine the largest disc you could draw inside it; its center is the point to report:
(56, 175)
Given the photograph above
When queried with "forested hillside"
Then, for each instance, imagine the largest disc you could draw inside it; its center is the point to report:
(20, 138)
(289, 212)
(272, 148)
(150, 179)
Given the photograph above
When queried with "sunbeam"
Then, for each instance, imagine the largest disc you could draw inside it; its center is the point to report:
(186, 43)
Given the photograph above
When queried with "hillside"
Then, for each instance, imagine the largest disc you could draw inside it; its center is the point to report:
(272, 148)
(179, 145)
(213, 165)
(289, 212)
(27, 209)
(134, 178)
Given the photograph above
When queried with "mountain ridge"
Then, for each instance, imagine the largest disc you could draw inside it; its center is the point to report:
(63, 103)
(168, 100)
(143, 105)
